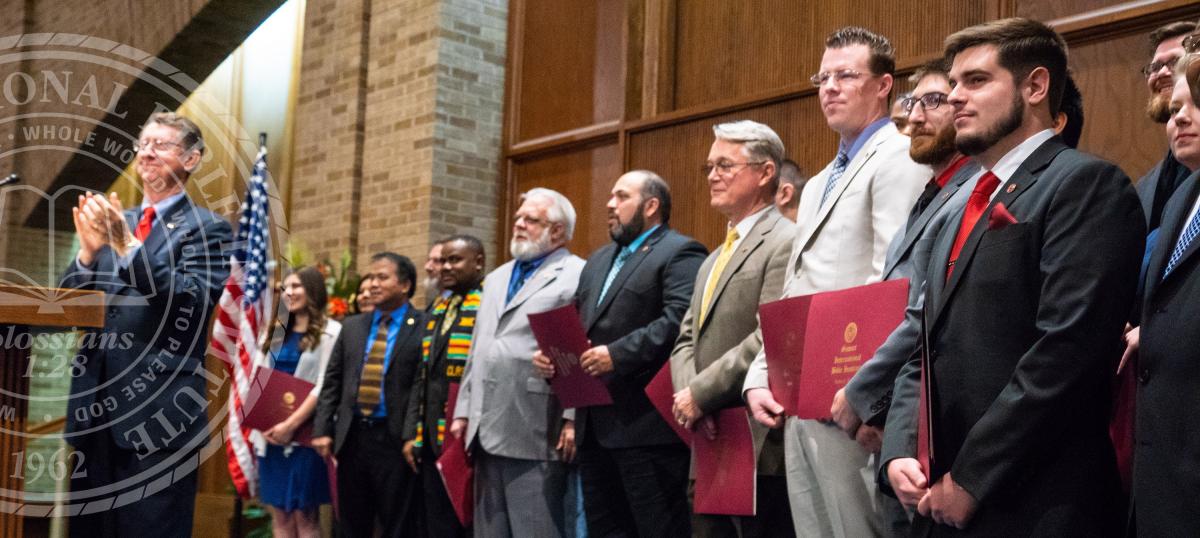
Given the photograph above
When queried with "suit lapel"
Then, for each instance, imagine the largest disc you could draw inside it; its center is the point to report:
(1021, 180)
(856, 165)
(408, 329)
(1168, 236)
(628, 269)
(538, 280)
(912, 233)
(753, 240)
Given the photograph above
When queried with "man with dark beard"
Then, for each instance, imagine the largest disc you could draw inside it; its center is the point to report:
(1157, 186)
(1027, 291)
(861, 408)
(632, 295)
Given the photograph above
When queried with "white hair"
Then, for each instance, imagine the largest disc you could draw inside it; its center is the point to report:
(560, 209)
(760, 141)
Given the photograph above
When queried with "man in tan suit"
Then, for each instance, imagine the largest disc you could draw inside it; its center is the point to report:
(717, 337)
(848, 215)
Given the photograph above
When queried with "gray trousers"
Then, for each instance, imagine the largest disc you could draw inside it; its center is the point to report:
(519, 498)
(831, 483)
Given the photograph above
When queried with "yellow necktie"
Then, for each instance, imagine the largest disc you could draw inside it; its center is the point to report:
(371, 381)
(718, 268)
(451, 314)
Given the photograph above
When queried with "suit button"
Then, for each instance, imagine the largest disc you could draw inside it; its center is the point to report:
(1143, 376)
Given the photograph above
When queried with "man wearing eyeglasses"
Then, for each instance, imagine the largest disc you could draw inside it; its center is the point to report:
(1157, 186)
(717, 338)
(161, 269)
(849, 214)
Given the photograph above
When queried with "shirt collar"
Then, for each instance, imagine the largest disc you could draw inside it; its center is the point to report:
(949, 172)
(1008, 164)
(743, 226)
(163, 205)
(637, 243)
(851, 147)
(395, 314)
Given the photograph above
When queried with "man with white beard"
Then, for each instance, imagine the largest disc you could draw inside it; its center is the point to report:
(433, 279)
(517, 433)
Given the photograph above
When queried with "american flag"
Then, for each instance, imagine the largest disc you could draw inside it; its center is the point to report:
(243, 305)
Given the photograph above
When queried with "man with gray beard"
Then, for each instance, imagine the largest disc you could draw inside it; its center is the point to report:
(433, 279)
(519, 436)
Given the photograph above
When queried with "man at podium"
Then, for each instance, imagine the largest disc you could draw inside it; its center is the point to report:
(137, 412)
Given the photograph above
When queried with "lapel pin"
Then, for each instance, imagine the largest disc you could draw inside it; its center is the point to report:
(645, 248)
(945, 195)
(410, 321)
(170, 225)
(1011, 187)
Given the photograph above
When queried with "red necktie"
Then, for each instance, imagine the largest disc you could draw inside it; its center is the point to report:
(143, 227)
(979, 200)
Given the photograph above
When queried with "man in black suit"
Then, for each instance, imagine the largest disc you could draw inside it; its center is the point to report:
(1026, 297)
(162, 270)
(1166, 478)
(446, 340)
(363, 404)
(632, 295)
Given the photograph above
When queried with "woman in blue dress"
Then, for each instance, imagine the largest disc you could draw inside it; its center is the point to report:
(292, 478)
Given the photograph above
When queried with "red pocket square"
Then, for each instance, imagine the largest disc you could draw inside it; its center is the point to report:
(1000, 217)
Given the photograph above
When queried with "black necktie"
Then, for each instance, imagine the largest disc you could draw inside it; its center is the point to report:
(931, 190)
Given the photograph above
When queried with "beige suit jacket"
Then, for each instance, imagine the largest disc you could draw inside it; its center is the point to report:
(712, 358)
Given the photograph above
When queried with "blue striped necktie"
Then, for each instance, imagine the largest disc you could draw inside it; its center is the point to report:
(835, 173)
(612, 273)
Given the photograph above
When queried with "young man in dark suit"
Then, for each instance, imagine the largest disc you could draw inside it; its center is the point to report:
(1026, 297)
(632, 295)
(363, 404)
(162, 270)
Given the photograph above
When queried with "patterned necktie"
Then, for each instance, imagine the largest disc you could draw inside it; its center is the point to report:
(718, 267)
(839, 168)
(451, 314)
(143, 228)
(612, 273)
(980, 198)
(371, 382)
(1185, 240)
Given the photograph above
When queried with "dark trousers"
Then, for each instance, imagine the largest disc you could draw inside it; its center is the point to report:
(632, 492)
(375, 483)
(774, 517)
(440, 519)
(165, 507)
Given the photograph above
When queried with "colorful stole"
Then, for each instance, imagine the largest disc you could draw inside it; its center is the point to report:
(457, 348)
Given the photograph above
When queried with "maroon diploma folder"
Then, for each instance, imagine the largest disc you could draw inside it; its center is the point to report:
(560, 336)
(273, 397)
(815, 343)
(725, 473)
(458, 473)
(661, 393)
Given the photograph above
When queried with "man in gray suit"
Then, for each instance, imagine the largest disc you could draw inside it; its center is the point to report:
(861, 407)
(849, 214)
(717, 340)
(516, 431)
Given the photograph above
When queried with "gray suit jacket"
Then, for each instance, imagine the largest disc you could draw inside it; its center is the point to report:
(711, 358)
(870, 390)
(511, 411)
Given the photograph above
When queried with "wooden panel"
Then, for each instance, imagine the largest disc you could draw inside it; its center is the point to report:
(585, 176)
(1045, 11)
(570, 66)
(778, 43)
(677, 152)
(1114, 94)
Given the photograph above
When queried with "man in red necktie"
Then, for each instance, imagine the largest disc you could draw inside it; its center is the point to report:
(1026, 298)
(161, 269)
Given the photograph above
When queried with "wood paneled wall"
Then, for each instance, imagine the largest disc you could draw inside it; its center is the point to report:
(596, 88)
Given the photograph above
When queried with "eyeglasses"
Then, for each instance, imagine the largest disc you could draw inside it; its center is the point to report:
(157, 146)
(1191, 43)
(1151, 68)
(724, 168)
(529, 221)
(930, 101)
(841, 76)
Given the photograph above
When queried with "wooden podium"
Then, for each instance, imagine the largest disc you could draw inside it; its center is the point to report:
(20, 309)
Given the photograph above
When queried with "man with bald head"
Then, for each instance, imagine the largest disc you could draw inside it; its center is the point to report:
(632, 294)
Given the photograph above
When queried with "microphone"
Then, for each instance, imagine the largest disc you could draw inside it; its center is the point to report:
(12, 179)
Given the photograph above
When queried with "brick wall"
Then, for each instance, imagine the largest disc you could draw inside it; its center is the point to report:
(398, 125)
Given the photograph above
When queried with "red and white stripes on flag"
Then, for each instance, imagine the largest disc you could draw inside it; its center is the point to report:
(240, 316)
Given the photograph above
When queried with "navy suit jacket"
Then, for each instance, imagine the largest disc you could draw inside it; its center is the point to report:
(141, 378)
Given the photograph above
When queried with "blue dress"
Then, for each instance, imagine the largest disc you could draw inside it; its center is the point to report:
(297, 480)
